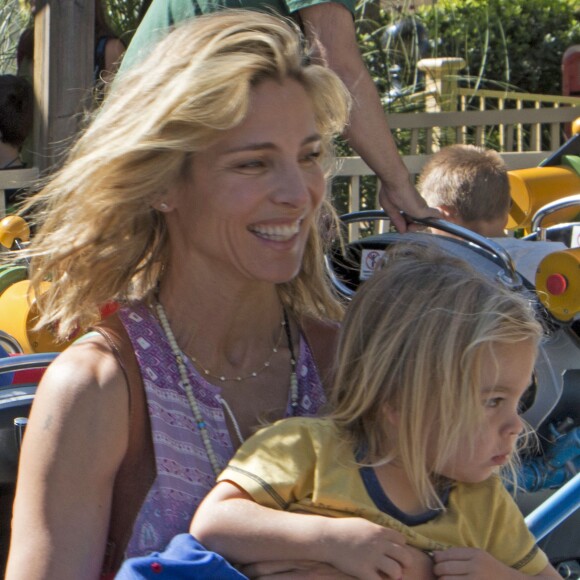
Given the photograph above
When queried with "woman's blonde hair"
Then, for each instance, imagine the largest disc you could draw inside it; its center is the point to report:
(414, 340)
(100, 239)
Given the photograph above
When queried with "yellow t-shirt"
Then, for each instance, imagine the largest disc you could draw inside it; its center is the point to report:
(301, 464)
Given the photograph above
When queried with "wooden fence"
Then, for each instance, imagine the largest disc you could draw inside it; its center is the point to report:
(524, 128)
(15, 179)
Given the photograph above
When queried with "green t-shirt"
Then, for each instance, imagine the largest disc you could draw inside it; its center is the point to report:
(165, 14)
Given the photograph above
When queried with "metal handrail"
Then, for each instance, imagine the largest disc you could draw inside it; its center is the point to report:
(549, 208)
(555, 510)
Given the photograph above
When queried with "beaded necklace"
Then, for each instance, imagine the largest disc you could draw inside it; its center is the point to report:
(177, 353)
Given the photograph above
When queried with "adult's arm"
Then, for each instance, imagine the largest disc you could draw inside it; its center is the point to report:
(73, 446)
(330, 27)
(229, 522)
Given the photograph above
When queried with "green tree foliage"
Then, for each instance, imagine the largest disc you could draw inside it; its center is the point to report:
(392, 40)
(513, 42)
(124, 16)
(12, 20)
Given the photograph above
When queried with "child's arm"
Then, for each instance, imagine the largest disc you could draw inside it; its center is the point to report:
(229, 522)
(479, 565)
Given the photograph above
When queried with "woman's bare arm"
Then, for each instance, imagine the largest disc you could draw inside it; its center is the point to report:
(75, 440)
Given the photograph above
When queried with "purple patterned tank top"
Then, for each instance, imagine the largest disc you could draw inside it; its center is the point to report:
(184, 474)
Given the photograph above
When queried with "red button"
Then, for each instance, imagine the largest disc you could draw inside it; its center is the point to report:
(156, 567)
(556, 284)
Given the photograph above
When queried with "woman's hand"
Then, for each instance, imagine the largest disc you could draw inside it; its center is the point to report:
(477, 564)
(293, 570)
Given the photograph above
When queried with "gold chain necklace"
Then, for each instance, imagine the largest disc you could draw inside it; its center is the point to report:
(250, 375)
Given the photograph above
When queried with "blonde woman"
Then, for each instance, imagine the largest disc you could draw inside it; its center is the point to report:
(433, 362)
(330, 27)
(193, 203)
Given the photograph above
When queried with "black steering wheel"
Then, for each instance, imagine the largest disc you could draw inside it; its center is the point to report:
(350, 264)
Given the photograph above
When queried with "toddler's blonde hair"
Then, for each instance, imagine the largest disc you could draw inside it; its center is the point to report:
(414, 340)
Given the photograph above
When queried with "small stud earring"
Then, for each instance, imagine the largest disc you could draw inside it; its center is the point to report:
(163, 206)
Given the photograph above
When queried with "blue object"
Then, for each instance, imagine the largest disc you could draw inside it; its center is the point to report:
(185, 558)
(558, 465)
(553, 511)
(5, 378)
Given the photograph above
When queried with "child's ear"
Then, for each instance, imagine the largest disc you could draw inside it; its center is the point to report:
(449, 212)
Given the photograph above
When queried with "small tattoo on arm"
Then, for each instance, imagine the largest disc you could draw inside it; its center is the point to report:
(47, 423)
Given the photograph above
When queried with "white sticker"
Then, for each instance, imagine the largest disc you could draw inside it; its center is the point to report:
(370, 259)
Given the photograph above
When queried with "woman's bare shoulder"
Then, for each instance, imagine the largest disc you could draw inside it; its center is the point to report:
(87, 368)
(85, 389)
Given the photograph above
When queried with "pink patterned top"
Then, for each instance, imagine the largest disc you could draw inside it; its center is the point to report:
(184, 474)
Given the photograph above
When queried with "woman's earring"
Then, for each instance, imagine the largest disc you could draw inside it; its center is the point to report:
(163, 206)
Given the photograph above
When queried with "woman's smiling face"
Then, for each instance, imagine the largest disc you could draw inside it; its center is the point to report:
(249, 203)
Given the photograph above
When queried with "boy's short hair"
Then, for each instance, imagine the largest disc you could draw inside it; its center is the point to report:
(472, 180)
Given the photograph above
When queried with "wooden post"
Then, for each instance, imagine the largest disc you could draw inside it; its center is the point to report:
(441, 86)
(441, 81)
(63, 74)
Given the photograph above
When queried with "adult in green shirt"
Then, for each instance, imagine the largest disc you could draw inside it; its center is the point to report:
(329, 28)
